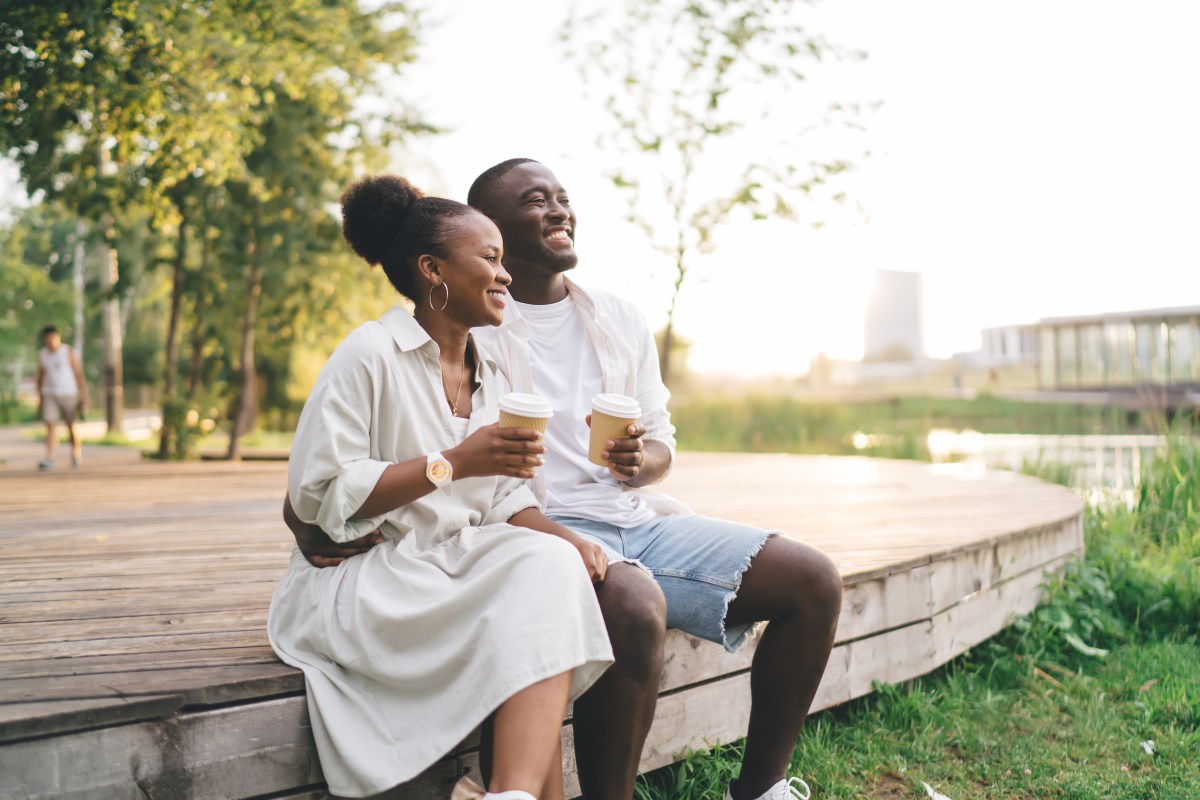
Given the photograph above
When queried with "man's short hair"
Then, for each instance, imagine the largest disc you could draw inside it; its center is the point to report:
(49, 329)
(480, 193)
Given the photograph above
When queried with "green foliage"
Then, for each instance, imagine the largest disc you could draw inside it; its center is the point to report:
(1064, 703)
(974, 732)
(210, 142)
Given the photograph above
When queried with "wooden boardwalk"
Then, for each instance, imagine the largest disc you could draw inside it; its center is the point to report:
(133, 605)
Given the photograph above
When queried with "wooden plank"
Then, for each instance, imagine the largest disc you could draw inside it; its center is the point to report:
(27, 720)
(199, 686)
(170, 659)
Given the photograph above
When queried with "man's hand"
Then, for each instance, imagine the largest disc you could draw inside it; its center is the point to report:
(625, 456)
(317, 547)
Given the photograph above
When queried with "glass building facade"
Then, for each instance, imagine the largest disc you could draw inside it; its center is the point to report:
(1127, 350)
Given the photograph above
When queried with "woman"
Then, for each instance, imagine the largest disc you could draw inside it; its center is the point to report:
(475, 606)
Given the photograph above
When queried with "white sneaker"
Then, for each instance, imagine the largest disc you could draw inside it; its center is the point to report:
(45, 464)
(784, 790)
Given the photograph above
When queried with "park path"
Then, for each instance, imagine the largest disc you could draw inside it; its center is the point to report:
(21, 446)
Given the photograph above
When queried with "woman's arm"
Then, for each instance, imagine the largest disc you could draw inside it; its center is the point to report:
(488, 451)
(595, 559)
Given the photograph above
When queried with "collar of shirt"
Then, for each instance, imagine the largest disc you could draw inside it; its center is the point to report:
(617, 359)
(409, 335)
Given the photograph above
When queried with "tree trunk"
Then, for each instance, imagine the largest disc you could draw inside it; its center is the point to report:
(668, 339)
(171, 347)
(246, 408)
(77, 280)
(114, 391)
(196, 373)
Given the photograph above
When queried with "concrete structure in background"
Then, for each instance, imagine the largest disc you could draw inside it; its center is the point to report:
(895, 320)
(1008, 345)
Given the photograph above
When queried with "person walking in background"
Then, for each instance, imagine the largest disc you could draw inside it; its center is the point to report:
(62, 394)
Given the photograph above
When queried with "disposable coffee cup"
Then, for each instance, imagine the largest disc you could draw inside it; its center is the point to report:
(520, 410)
(612, 414)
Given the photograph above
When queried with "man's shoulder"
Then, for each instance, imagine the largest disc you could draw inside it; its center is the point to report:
(610, 303)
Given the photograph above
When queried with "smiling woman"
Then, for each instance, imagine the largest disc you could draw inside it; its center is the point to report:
(459, 602)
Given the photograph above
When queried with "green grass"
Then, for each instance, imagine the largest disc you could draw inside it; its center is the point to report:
(1056, 706)
(777, 423)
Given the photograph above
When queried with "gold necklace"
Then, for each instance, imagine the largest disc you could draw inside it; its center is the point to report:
(454, 402)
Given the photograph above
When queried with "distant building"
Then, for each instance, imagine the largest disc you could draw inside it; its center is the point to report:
(1129, 349)
(895, 322)
(1008, 345)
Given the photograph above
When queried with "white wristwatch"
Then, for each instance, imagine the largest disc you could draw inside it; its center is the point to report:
(438, 471)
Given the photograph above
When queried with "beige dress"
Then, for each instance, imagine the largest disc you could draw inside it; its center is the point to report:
(409, 647)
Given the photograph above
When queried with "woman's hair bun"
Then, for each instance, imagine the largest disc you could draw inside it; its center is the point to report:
(373, 209)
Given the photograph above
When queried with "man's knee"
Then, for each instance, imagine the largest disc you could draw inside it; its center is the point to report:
(635, 612)
(826, 583)
(815, 585)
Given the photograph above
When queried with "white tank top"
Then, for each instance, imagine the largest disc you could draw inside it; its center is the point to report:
(59, 374)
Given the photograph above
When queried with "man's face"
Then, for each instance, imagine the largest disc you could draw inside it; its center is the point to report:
(534, 215)
(51, 340)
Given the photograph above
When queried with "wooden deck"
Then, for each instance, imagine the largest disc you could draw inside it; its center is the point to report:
(133, 605)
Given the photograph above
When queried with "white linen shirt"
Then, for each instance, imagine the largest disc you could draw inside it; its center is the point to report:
(385, 378)
(628, 362)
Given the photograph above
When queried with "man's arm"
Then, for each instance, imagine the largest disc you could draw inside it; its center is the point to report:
(315, 544)
(80, 383)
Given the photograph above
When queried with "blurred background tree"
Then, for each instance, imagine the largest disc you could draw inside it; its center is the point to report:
(208, 143)
(691, 87)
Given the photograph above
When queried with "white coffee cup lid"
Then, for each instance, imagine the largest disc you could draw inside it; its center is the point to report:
(617, 405)
(526, 405)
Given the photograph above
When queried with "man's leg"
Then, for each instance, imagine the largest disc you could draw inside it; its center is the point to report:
(69, 421)
(799, 591)
(51, 440)
(613, 717)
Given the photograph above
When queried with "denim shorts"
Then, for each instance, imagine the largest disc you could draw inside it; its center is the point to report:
(698, 561)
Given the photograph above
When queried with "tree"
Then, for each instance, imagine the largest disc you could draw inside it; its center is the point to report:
(691, 86)
(172, 110)
(100, 108)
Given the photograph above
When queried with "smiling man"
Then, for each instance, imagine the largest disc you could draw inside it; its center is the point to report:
(712, 578)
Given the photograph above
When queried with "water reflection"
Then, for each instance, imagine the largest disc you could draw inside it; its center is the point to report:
(1102, 466)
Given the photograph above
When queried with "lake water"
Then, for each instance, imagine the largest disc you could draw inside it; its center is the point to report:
(1103, 465)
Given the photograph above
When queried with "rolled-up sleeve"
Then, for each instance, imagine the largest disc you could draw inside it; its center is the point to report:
(512, 497)
(652, 393)
(331, 471)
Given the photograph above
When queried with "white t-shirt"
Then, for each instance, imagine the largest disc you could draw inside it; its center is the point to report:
(566, 372)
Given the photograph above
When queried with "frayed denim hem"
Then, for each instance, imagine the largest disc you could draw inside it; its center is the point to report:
(732, 639)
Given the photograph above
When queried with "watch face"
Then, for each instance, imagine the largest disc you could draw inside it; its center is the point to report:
(439, 471)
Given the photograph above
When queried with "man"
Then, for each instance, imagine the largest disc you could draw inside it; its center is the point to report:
(61, 392)
(712, 578)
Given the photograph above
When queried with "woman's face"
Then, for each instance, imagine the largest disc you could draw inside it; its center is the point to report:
(474, 273)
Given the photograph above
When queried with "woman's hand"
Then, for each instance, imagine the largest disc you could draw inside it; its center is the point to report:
(492, 450)
(595, 559)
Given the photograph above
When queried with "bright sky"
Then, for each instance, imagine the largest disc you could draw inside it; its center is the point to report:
(1032, 158)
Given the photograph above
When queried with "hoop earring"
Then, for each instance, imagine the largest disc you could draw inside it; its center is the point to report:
(445, 286)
